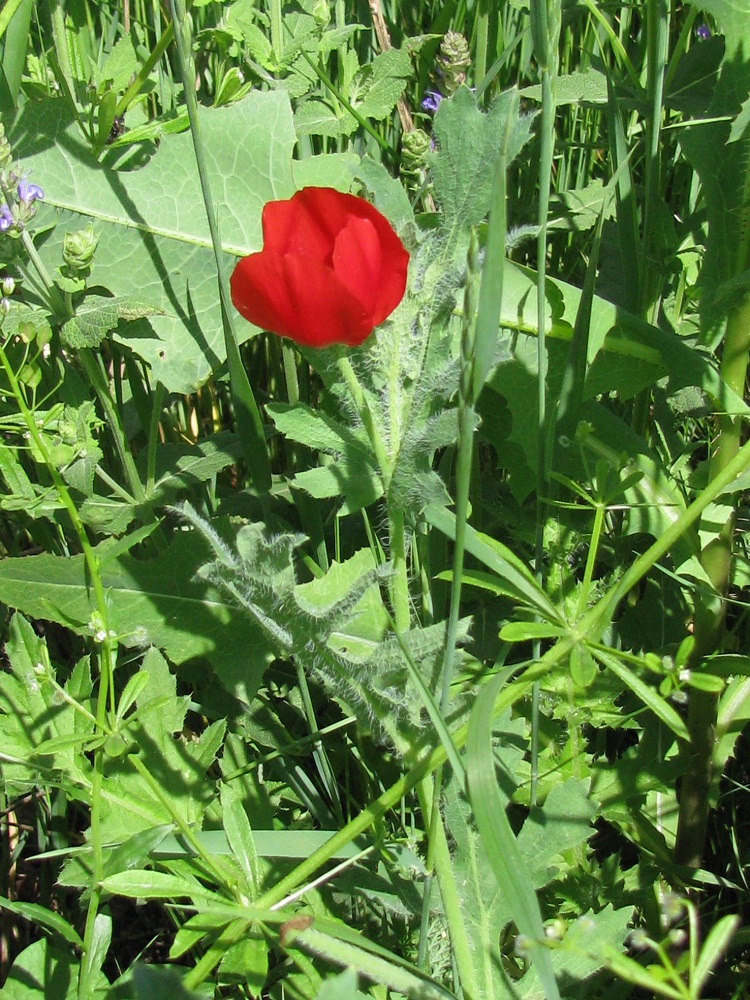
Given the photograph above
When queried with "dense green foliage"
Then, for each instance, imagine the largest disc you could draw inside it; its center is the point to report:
(419, 669)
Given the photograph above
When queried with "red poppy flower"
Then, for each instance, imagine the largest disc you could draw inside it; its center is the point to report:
(331, 269)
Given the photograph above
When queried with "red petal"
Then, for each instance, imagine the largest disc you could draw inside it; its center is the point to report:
(331, 269)
(357, 260)
(307, 224)
(300, 298)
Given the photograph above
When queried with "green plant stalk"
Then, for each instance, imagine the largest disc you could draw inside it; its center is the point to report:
(319, 751)
(441, 864)
(61, 305)
(716, 558)
(545, 30)
(482, 35)
(591, 625)
(145, 71)
(276, 19)
(617, 47)
(588, 574)
(158, 792)
(106, 669)
(249, 423)
(657, 24)
(60, 36)
(464, 453)
(363, 122)
(92, 367)
(153, 437)
(232, 933)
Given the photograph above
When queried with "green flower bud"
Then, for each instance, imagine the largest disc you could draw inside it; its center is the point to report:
(414, 149)
(321, 13)
(452, 60)
(6, 154)
(79, 249)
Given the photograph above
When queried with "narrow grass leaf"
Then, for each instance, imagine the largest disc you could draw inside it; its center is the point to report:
(513, 576)
(497, 837)
(714, 947)
(43, 917)
(240, 835)
(155, 885)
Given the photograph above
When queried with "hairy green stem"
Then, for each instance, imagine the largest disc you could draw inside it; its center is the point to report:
(396, 526)
(464, 452)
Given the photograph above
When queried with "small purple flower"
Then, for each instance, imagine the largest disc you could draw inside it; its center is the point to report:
(6, 219)
(431, 101)
(703, 32)
(27, 193)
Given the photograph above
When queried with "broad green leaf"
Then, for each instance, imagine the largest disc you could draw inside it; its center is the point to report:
(368, 622)
(467, 140)
(580, 953)
(385, 81)
(42, 971)
(176, 764)
(353, 477)
(155, 982)
(153, 602)
(180, 466)
(342, 987)
(574, 88)
(153, 236)
(34, 711)
(99, 316)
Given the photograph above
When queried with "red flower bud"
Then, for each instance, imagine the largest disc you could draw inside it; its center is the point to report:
(331, 269)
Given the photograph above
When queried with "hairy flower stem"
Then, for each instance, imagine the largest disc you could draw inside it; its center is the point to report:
(396, 526)
(464, 452)
(710, 609)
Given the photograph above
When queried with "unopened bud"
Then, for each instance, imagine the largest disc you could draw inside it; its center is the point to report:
(79, 249)
(452, 60)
